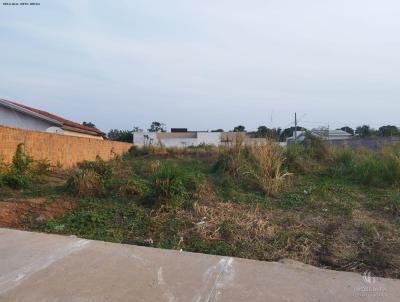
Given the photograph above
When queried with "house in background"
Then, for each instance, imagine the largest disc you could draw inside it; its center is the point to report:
(178, 137)
(324, 134)
(16, 115)
(181, 137)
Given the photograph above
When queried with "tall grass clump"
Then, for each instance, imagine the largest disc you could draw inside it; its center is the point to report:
(343, 162)
(169, 185)
(233, 158)
(380, 168)
(172, 185)
(269, 170)
(134, 186)
(98, 166)
(85, 183)
(298, 159)
(309, 156)
(263, 166)
(90, 178)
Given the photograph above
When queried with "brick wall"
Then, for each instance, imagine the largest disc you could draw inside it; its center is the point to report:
(66, 150)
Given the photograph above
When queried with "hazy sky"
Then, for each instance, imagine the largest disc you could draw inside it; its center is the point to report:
(205, 64)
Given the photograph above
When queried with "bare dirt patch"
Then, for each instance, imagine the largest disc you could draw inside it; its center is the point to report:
(12, 213)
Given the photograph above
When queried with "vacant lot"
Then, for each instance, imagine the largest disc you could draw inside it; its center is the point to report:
(333, 208)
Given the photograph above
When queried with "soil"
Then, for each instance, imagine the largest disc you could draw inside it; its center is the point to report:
(13, 212)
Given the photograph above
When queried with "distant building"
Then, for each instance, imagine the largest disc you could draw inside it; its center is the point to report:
(323, 134)
(177, 138)
(17, 115)
(181, 137)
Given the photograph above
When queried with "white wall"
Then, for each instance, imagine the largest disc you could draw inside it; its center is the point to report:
(209, 138)
(16, 119)
(141, 139)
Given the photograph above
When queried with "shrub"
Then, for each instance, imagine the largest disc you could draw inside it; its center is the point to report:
(391, 160)
(378, 169)
(175, 185)
(233, 159)
(101, 168)
(317, 148)
(41, 167)
(343, 162)
(372, 168)
(21, 162)
(23, 169)
(3, 171)
(294, 152)
(168, 185)
(17, 181)
(299, 159)
(134, 186)
(85, 183)
(90, 179)
(20, 174)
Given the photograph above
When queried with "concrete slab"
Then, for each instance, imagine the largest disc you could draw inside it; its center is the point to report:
(43, 267)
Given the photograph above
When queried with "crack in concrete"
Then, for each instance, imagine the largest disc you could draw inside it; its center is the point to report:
(226, 271)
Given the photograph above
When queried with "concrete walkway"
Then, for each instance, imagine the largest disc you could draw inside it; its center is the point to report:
(42, 267)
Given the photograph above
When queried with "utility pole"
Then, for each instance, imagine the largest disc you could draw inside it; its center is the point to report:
(295, 127)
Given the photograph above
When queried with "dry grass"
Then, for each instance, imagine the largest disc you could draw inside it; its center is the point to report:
(130, 189)
(85, 183)
(264, 165)
(271, 173)
(259, 232)
(323, 220)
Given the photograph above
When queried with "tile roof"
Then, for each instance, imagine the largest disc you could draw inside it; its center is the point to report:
(60, 119)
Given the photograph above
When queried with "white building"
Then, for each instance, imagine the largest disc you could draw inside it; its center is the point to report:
(180, 137)
(176, 139)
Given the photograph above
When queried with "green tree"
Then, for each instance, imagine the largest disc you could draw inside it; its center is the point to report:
(137, 129)
(263, 131)
(348, 130)
(364, 131)
(120, 135)
(276, 133)
(239, 128)
(157, 127)
(388, 130)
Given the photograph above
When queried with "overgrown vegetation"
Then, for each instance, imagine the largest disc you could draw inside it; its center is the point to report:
(379, 168)
(90, 179)
(260, 166)
(331, 207)
(23, 169)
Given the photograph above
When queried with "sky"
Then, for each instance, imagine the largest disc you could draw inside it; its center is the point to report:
(205, 64)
